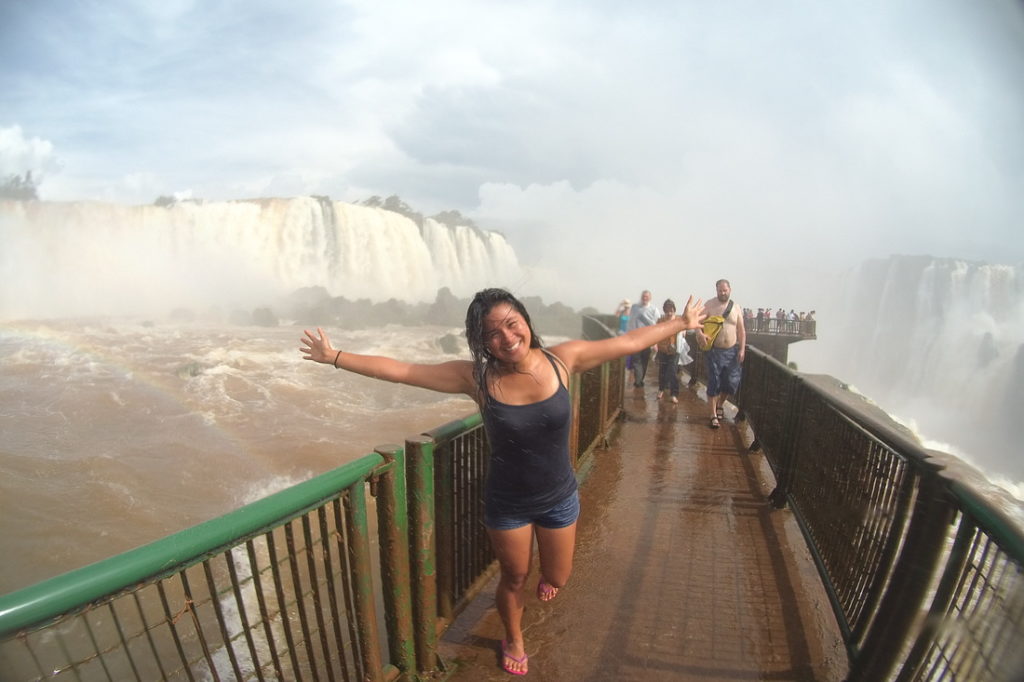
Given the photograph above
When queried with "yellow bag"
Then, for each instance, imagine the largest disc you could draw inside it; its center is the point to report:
(712, 325)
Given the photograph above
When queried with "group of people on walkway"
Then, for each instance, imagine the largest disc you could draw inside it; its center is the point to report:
(723, 337)
(521, 388)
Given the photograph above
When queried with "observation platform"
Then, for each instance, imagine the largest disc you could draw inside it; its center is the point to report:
(684, 570)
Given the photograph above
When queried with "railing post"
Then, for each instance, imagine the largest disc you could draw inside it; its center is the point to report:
(420, 454)
(444, 531)
(574, 428)
(788, 451)
(359, 555)
(393, 531)
(908, 587)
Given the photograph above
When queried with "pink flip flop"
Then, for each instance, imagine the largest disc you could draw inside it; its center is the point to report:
(506, 655)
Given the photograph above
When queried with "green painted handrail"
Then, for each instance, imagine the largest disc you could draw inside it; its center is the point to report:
(455, 428)
(42, 602)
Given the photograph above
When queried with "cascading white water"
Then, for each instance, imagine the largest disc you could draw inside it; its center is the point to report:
(938, 343)
(79, 258)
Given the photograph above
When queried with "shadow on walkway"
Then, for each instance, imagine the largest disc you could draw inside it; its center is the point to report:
(684, 570)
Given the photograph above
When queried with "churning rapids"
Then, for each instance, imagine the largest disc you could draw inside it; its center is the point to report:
(116, 433)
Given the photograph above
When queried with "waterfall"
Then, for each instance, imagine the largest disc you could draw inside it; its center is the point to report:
(938, 343)
(78, 258)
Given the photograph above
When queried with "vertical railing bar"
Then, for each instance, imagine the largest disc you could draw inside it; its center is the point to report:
(470, 491)
(987, 631)
(194, 611)
(978, 610)
(393, 530)
(268, 631)
(419, 454)
(942, 601)
(906, 493)
(879, 524)
(282, 603)
(124, 642)
(965, 592)
(348, 588)
(242, 614)
(332, 592)
(881, 504)
(314, 583)
(27, 643)
(465, 544)
(70, 664)
(446, 560)
(464, 558)
(996, 570)
(95, 644)
(211, 586)
(366, 613)
(172, 622)
(293, 563)
(147, 629)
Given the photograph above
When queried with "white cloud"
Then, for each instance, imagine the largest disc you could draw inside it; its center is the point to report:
(19, 154)
(842, 130)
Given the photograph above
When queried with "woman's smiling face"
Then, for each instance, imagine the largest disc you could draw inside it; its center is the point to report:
(506, 334)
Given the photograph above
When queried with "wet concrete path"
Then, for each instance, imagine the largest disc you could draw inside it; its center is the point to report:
(684, 570)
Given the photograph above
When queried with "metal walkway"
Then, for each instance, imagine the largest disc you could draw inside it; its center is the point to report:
(684, 570)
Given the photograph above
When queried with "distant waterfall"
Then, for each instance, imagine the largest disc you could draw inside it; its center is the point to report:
(86, 257)
(939, 342)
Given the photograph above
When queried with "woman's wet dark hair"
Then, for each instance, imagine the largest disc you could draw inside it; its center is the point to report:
(475, 314)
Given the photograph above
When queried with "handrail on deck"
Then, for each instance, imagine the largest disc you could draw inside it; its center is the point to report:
(288, 586)
(925, 573)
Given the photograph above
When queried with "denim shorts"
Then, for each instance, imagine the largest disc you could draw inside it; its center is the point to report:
(561, 515)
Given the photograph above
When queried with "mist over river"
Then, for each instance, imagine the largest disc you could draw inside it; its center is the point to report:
(116, 432)
(119, 426)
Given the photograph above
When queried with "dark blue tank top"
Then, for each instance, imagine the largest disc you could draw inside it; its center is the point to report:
(529, 470)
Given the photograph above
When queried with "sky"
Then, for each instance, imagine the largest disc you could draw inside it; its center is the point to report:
(657, 145)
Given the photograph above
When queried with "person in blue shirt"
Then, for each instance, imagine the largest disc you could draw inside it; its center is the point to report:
(643, 314)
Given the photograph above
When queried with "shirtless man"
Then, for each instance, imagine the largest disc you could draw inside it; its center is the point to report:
(725, 357)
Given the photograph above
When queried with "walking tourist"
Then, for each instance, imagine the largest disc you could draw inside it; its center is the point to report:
(668, 356)
(521, 388)
(725, 352)
(643, 314)
(622, 315)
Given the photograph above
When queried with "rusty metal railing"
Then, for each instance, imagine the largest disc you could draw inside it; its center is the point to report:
(279, 589)
(925, 572)
(292, 586)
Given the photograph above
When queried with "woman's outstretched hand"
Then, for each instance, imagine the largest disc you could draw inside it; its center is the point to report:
(318, 347)
(694, 313)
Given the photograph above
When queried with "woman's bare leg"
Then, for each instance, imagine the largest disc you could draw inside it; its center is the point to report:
(556, 546)
(513, 549)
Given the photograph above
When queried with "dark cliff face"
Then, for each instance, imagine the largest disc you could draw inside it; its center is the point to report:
(314, 306)
(857, 402)
(1013, 407)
